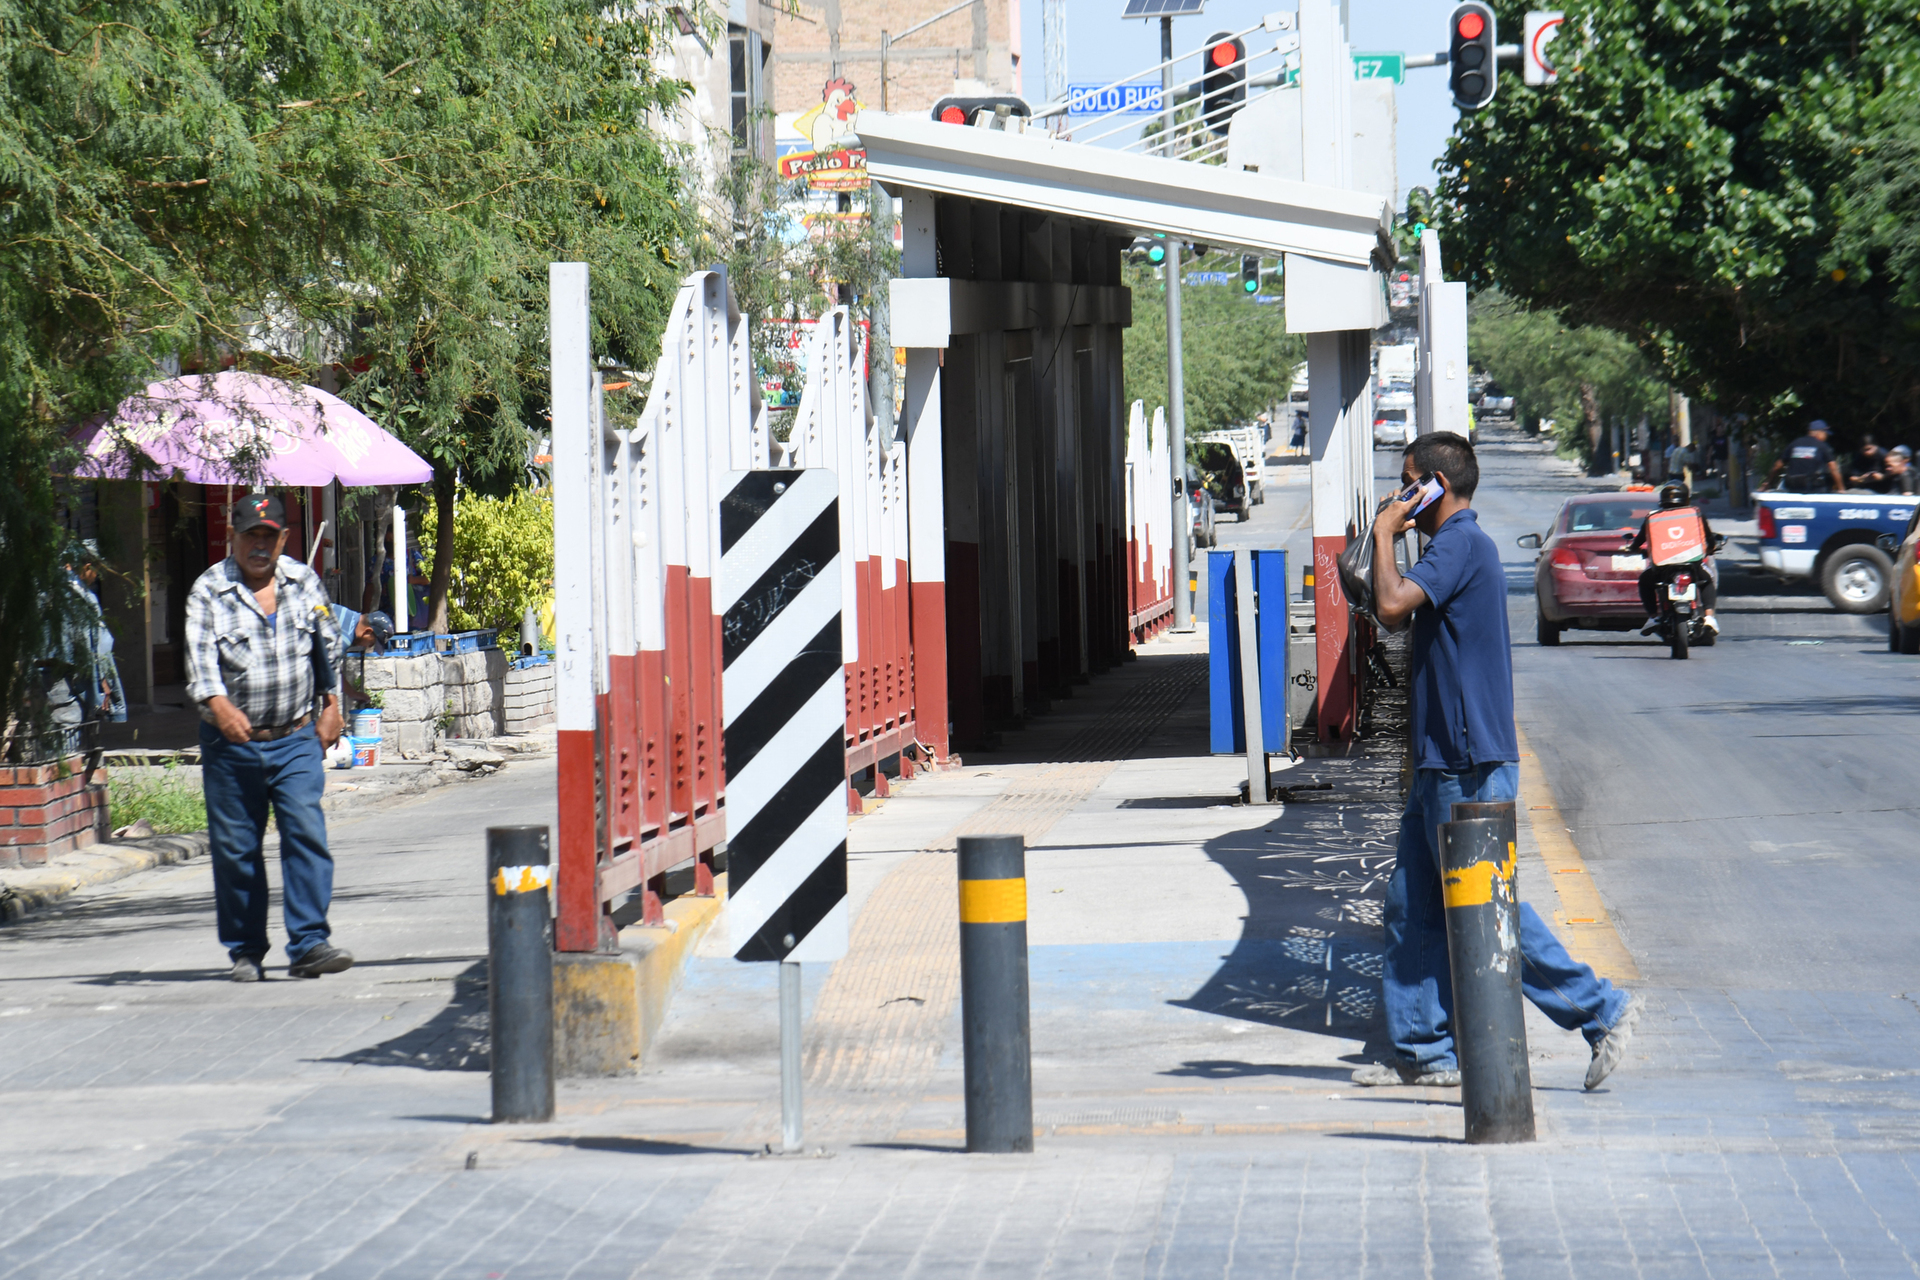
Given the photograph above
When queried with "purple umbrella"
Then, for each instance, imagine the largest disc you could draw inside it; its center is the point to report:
(241, 428)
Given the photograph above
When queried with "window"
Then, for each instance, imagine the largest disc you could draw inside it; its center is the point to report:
(747, 57)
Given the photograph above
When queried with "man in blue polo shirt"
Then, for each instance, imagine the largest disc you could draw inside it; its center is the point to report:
(1463, 749)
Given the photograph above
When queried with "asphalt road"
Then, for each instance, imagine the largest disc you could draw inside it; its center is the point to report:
(1750, 814)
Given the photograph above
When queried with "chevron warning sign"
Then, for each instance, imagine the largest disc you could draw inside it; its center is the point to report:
(784, 689)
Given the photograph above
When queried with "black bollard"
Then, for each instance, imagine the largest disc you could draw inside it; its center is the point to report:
(1483, 945)
(520, 973)
(995, 1032)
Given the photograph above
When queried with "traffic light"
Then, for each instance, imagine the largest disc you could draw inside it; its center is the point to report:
(1470, 55)
(1249, 274)
(1157, 250)
(968, 110)
(1225, 85)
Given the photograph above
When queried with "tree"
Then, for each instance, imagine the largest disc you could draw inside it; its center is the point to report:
(479, 142)
(1724, 184)
(1238, 356)
(1578, 379)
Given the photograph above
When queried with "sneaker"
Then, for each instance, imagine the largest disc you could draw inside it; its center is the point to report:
(246, 969)
(1383, 1074)
(1712, 624)
(1613, 1046)
(1653, 625)
(322, 957)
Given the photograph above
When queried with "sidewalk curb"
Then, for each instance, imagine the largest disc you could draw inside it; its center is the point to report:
(96, 865)
(608, 1006)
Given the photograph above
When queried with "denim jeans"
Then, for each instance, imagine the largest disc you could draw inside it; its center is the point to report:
(241, 779)
(1418, 985)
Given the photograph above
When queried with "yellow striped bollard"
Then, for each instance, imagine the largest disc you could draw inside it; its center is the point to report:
(996, 1034)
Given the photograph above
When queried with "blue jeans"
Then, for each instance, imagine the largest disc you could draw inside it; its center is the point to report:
(241, 779)
(1418, 985)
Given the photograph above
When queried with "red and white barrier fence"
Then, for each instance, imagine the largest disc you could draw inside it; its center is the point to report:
(642, 785)
(833, 428)
(1150, 507)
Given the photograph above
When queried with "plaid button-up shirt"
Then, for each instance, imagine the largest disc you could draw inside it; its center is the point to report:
(265, 665)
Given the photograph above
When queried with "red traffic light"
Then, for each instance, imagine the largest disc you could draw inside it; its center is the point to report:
(1224, 55)
(953, 115)
(1471, 25)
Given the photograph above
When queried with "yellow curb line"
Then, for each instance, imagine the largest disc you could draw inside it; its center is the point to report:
(1582, 917)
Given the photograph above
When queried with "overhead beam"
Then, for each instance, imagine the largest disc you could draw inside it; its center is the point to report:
(1207, 204)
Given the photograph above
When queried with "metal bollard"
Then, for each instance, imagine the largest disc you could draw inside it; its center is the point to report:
(1483, 945)
(995, 1031)
(520, 973)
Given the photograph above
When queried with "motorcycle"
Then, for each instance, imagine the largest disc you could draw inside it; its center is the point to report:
(1680, 619)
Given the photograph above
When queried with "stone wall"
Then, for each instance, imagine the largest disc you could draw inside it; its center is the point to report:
(464, 695)
(527, 699)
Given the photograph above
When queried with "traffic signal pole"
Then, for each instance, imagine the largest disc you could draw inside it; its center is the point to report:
(1176, 370)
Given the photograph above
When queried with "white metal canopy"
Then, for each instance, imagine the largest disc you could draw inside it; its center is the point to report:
(1208, 204)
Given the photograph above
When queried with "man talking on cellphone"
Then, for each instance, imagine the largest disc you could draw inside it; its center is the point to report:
(1464, 748)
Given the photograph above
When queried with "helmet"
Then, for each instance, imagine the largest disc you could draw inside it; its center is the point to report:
(1674, 495)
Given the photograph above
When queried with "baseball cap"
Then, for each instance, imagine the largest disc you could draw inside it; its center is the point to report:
(1819, 424)
(258, 508)
(1902, 450)
(382, 626)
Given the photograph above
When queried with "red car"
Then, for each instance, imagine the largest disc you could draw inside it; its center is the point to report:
(1582, 578)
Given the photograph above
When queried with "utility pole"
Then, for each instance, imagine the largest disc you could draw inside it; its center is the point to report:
(1053, 49)
(1176, 371)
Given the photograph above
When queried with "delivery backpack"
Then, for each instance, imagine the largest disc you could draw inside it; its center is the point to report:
(1676, 536)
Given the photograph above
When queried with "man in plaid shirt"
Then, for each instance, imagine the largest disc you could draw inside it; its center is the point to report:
(262, 649)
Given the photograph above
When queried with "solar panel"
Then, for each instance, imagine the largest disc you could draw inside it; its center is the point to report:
(1162, 8)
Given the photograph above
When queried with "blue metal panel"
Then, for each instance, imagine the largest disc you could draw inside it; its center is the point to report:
(1228, 736)
(1270, 589)
(1227, 728)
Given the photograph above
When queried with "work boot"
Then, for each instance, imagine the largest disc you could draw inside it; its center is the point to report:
(322, 957)
(246, 969)
(1379, 1074)
(1613, 1046)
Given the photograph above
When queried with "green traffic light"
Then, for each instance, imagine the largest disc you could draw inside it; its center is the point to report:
(1157, 254)
(1419, 228)
(1251, 286)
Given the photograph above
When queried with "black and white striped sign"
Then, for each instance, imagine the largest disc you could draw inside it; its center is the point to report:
(784, 688)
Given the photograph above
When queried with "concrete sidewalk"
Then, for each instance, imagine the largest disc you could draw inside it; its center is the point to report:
(1205, 975)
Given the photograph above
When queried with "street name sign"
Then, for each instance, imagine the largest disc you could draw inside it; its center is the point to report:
(1208, 277)
(1105, 99)
(1380, 66)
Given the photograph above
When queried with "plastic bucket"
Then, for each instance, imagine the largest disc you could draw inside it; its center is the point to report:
(366, 752)
(366, 722)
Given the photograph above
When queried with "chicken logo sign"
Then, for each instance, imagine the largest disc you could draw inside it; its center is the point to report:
(831, 165)
(1676, 537)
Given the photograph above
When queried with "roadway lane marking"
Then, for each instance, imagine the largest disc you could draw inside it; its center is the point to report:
(1582, 917)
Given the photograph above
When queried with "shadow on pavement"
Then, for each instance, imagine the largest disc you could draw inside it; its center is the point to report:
(640, 1146)
(1227, 1069)
(1315, 876)
(455, 1039)
(1113, 717)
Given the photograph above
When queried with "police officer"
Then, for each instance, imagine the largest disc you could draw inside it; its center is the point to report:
(1809, 464)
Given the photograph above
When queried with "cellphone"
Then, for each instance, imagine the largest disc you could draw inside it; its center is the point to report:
(1427, 490)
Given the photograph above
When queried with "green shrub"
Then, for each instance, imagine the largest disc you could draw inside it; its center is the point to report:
(502, 557)
(169, 802)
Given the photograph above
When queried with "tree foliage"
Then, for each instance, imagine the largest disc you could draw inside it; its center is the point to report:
(1725, 182)
(1554, 373)
(502, 556)
(376, 183)
(1238, 356)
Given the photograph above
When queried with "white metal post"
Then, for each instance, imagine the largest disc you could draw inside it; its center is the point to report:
(573, 447)
(399, 568)
(1244, 610)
